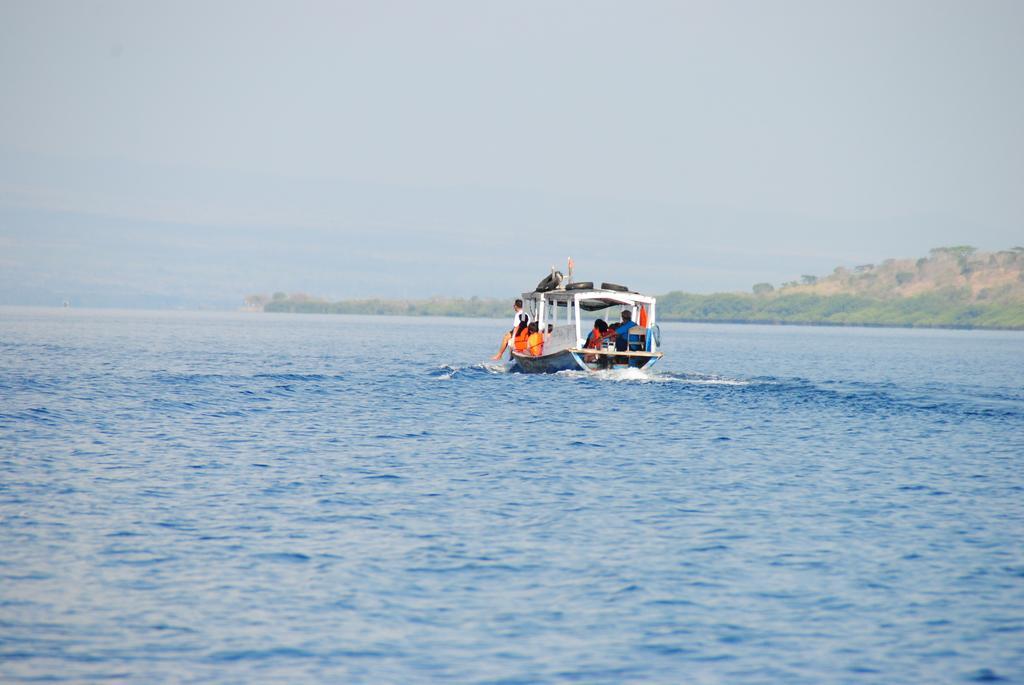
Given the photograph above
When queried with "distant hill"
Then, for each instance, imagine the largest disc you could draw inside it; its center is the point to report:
(981, 276)
(953, 287)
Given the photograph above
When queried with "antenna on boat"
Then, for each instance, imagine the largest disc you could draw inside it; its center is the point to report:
(571, 265)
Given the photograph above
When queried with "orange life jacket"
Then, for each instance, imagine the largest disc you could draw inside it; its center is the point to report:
(596, 338)
(535, 343)
(519, 345)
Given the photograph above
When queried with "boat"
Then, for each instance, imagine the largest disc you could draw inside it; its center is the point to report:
(562, 309)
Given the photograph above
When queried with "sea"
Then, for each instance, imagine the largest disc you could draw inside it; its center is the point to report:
(215, 497)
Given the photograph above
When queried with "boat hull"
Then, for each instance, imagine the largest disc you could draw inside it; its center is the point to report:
(563, 360)
(583, 360)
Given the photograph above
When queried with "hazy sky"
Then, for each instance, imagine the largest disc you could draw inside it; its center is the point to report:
(201, 151)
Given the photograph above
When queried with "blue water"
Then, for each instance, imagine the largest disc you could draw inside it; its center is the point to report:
(189, 497)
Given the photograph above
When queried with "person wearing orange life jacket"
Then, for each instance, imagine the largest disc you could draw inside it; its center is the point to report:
(535, 343)
(519, 317)
(596, 338)
(521, 337)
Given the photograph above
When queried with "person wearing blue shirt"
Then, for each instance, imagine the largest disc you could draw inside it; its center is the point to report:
(622, 331)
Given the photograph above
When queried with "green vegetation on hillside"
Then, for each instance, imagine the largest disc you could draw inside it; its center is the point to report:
(437, 306)
(954, 287)
(948, 308)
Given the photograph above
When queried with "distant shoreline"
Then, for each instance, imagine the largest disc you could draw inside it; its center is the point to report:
(834, 324)
(954, 287)
(670, 319)
(501, 317)
(949, 309)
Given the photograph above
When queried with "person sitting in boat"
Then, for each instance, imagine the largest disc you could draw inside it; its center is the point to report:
(519, 317)
(621, 331)
(596, 338)
(535, 343)
(522, 336)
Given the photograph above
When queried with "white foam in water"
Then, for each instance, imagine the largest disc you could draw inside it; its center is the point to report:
(706, 380)
(500, 367)
(447, 371)
(623, 375)
(641, 376)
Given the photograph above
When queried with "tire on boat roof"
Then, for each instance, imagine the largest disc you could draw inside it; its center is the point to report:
(615, 286)
(550, 282)
(582, 285)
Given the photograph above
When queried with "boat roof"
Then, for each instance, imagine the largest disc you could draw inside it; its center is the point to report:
(591, 299)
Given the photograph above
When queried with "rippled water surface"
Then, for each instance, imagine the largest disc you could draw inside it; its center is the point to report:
(272, 498)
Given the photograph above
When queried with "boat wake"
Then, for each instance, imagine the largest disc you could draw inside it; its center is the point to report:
(652, 376)
(448, 372)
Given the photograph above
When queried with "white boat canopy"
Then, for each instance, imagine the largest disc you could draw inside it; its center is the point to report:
(547, 307)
